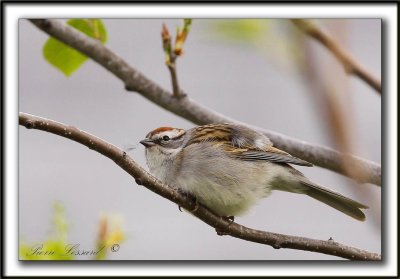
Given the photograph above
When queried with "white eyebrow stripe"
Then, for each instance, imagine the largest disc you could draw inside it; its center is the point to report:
(172, 133)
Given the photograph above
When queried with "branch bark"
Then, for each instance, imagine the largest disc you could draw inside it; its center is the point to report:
(187, 108)
(142, 177)
(350, 64)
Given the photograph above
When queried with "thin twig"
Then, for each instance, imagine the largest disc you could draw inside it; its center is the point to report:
(325, 87)
(176, 91)
(350, 64)
(220, 224)
(189, 109)
(170, 61)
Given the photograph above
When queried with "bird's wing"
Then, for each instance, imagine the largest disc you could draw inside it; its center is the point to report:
(235, 135)
(271, 154)
(244, 143)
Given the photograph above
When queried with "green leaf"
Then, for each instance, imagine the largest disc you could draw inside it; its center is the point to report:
(276, 39)
(241, 30)
(67, 59)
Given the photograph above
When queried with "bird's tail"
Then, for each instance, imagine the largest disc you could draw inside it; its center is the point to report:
(337, 201)
(347, 206)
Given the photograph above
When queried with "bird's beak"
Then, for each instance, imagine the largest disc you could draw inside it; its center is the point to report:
(147, 142)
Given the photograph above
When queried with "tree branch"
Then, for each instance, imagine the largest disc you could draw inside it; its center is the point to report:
(187, 108)
(222, 225)
(350, 65)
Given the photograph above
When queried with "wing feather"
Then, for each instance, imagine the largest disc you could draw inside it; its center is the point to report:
(243, 143)
(271, 154)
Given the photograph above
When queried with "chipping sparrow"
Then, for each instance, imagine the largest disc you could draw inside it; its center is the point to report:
(229, 167)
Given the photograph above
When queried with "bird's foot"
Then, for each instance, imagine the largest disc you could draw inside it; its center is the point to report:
(193, 200)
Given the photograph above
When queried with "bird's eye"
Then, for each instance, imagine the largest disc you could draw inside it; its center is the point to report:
(165, 138)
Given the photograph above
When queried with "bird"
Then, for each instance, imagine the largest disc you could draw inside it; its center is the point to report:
(230, 167)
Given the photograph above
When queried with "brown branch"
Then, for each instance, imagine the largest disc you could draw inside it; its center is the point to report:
(325, 87)
(220, 224)
(189, 109)
(350, 64)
